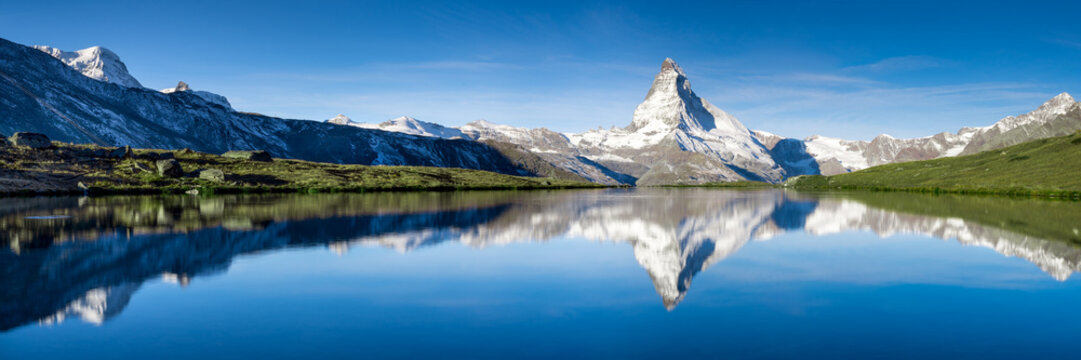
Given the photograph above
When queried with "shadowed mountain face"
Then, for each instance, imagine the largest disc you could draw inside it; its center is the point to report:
(39, 93)
(85, 257)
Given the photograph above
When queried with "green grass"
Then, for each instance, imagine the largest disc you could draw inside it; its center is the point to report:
(62, 169)
(1048, 167)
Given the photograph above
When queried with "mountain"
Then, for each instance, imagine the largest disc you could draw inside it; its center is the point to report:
(1050, 166)
(403, 124)
(40, 93)
(341, 120)
(1058, 116)
(677, 137)
(674, 137)
(96, 63)
(206, 95)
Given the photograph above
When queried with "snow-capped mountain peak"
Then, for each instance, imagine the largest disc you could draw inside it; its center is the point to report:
(670, 64)
(1056, 106)
(96, 63)
(402, 124)
(340, 119)
(206, 95)
(671, 104)
(409, 125)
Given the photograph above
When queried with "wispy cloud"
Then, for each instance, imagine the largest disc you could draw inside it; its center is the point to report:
(863, 112)
(899, 63)
(1066, 42)
(809, 78)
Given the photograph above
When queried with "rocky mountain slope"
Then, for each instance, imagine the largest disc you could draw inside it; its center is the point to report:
(1057, 117)
(40, 93)
(96, 63)
(1044, 167)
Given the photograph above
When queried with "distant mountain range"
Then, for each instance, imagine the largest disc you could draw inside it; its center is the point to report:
(677, 137)
(674, 135)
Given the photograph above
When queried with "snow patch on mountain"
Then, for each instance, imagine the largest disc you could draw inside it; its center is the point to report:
(205, 95)
(405, 125)
(96, 62)
(674, 136)
(341, 120)
(1050, 119)
(1057, 106)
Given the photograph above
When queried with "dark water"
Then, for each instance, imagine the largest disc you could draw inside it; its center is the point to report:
(646, 273)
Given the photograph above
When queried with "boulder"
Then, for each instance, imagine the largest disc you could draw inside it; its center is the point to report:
(214, 175)
(121, 153)
(169, 168)
(253, 155)
(31, 140)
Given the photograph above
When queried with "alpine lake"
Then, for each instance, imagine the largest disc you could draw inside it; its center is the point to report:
(611, 273)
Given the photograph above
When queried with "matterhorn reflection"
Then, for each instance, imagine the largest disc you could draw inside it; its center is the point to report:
(90, 261)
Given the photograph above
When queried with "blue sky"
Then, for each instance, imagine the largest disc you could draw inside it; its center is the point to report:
(846, 69)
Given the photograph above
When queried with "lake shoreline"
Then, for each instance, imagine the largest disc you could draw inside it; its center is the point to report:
(59, 168)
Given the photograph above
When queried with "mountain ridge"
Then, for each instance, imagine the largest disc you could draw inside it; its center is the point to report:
(48, 96)
(674, 136)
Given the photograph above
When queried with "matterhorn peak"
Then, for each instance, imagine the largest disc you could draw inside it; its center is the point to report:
(671, 104)
(671, 65)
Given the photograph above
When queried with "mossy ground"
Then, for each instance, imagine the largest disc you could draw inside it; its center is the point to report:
(63, 168)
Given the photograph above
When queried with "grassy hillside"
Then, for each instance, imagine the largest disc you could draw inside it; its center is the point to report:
(1047, 167)
(73, 168)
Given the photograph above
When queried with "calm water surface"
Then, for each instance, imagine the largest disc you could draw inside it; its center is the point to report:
(646, 273)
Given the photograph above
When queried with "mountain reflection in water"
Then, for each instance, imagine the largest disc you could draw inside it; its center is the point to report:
(85, 257)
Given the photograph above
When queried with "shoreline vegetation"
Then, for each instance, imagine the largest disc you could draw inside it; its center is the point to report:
(36, 166)
(1049, 168)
